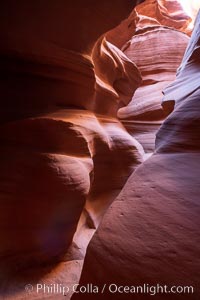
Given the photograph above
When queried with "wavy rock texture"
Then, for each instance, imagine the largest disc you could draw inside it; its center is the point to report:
(48, 65)
(157, 49)
(62, 78)
(124, 31)
(117, 78)
(151, 13)
(58, 159)
(183, 95)
(57, 156)
(62, 162)
(150, 234)
(158, 64)
(65, 156)
(166, 13)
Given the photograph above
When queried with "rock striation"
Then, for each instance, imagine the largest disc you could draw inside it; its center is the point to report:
(156, 47)
(158, 64)
(183, 96)
(60, 138)
(114, 87)
(81, 105)
(166, 13)
(150, 233)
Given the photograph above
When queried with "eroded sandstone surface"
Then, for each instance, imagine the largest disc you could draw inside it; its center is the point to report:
(81, 106)
(150, 234)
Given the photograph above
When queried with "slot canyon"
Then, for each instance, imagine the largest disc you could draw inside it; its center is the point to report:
(99, 148)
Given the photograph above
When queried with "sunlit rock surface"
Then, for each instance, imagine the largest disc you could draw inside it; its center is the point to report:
(157, 48)
(180, 131)
(167, 13)
(150, 234)
(71, 95)
(157, 52)
(117, 78)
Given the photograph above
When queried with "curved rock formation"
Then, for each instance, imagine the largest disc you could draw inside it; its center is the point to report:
(151, 13)
(117, 78)
(183, 96)
(56, 153)
(150, 234)
(47, 65)
(166, 13)
(162, 51)
(58, 159)
(158, 64)
(157, 48)
(65, 156)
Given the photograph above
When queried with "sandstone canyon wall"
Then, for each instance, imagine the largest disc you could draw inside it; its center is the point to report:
(81, 105)
(150, 234)
(60, 144)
